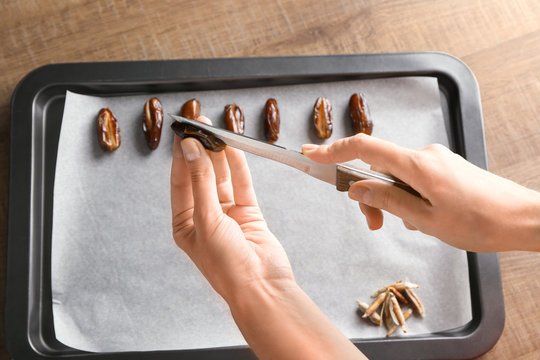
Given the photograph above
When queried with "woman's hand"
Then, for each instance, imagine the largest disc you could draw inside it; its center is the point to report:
(217, 222)
(463, 205)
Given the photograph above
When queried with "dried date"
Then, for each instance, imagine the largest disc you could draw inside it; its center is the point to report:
(271, 120)
(191, 109)
(234, 119)
(152, 122)
(108, 131)
(360, 115)
(209, 141)
(322, 118)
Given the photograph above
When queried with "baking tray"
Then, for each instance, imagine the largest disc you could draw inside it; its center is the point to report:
(36, 113)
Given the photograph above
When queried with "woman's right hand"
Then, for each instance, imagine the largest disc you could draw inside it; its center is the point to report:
(462, 205)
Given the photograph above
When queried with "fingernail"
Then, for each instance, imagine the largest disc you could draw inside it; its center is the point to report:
(204, 119)
(309, 147)
(190, 149)
(361, 194)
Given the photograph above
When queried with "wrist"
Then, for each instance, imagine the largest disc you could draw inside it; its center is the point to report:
(258, 294)
(530, 240)
(262, 311)
(279, 321)
(519, 224)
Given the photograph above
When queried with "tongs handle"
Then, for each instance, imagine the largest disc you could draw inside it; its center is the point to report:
(346, 176)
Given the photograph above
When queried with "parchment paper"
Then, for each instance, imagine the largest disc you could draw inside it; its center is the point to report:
(119, 283)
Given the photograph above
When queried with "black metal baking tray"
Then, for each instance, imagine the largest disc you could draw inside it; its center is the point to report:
(36, 115)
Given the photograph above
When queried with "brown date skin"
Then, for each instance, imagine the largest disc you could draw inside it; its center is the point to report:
(108, 131)
(209, 141)
(152, 122)
(234, 119)
(360, 115)
(191, 109)
(322, 118)
(271, 120)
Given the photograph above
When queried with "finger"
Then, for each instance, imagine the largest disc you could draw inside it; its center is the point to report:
(409, 225)
(223, 177)
(205, 120)
(203, 181)
(371, 150)
(374, 216)
(222, 171)
(244, 195)
(181, 195)
(387, 197)
(379, 169)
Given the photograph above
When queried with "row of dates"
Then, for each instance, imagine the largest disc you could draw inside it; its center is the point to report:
(108, 130)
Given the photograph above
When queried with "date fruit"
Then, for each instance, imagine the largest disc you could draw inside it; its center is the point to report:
(108, 132)
(360, 115)
(191, 109)
(234, 119)
(271, 120)
(209, 141)
(322, 118)
(152, 122)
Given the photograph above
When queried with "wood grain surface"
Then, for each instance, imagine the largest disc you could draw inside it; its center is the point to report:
(498, 39)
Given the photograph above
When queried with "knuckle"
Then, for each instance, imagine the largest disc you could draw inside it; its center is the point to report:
(428, 168)
(182, 226)
(331, 150)
(178, 181)
(386, 200)
(223, 179)
(434, 163)
(356, 143)
(434, 148)
(199, 174)
(417, 160)
(182, 220)
(348, 145)
(380, 198)
(426, 158)
(204, 218)
(435, 151)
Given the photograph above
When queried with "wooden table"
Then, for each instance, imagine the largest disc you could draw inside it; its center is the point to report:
(498, 39)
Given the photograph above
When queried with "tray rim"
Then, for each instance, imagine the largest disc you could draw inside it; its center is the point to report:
(472, 340)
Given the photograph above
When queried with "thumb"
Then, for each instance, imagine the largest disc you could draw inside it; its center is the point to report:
(387, 197)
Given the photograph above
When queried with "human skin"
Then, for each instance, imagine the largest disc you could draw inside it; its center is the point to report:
(218, 223)
(462, 205)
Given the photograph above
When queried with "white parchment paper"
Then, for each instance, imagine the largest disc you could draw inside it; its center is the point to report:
(119, 283)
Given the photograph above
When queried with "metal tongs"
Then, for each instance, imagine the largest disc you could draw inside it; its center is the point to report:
(342, 176)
